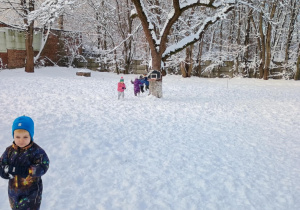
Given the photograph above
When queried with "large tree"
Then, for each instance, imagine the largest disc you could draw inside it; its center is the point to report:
(157, 32)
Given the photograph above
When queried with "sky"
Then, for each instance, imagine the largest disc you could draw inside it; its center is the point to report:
(207, 144)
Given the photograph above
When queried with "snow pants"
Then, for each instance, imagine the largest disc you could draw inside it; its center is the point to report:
(30, 201)
(136, 93)
(120, 94)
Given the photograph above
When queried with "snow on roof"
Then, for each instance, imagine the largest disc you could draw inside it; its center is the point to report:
(11, 26)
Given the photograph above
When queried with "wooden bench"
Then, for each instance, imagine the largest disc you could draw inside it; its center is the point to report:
(82, 73)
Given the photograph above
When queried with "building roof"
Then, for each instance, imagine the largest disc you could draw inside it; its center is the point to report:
(2, 24)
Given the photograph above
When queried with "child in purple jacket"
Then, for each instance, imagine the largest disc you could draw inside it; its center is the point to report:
(136, 85)
(23, 163)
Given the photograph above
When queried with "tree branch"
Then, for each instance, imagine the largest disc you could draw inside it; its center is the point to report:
(177, 11)
(187, 41)
(147, 26)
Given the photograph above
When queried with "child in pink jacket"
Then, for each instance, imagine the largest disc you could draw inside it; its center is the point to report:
(121, 88)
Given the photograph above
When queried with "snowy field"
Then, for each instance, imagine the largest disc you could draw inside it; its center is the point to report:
(205, 145)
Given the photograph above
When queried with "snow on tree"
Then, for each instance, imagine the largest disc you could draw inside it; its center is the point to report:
(158, 28)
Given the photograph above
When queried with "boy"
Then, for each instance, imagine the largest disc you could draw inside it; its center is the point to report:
(23, 163)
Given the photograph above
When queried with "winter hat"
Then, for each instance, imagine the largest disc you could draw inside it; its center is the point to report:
(25, 123)
(122, 79)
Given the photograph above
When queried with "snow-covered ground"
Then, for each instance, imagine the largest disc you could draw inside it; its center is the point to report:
(207, 144)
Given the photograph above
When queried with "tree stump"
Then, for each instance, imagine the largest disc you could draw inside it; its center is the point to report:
(85, 74)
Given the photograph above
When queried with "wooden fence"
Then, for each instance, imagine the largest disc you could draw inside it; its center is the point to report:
(207, 69)
(91, 63)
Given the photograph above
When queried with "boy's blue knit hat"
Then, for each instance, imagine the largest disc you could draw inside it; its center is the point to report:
(122, 79)
(25, 123)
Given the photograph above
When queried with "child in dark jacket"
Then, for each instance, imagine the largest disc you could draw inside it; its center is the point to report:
(23, 163)
(142, 83)
(146, 83)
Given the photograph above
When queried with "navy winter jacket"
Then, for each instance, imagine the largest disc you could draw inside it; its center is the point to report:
(146, 81)
(26, 193)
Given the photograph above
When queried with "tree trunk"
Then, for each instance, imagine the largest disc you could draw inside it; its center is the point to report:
(186, 66)
(29, 66)
(258, 48)
(268, 43)
(237, 61)
(268, 57)
(263, 46)
(155, 87)
(211, 48)
(98, 28)
(116, 63)
(190, 59)
(221, 49)
(297, 75)
(291, 29)
(183, 70)
(199, 58)
(247, 42)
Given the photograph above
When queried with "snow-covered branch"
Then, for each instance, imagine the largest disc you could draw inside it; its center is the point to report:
(49, 11)
(180, 8)
(191, 39)
(147, 24)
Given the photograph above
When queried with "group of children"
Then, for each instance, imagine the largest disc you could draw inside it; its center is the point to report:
(138, 86)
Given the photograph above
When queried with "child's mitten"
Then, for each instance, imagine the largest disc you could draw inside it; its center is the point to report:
(4, 172)
(22, 171)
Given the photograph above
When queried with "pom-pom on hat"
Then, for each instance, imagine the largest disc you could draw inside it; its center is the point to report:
(25, 123)
(122, 79)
